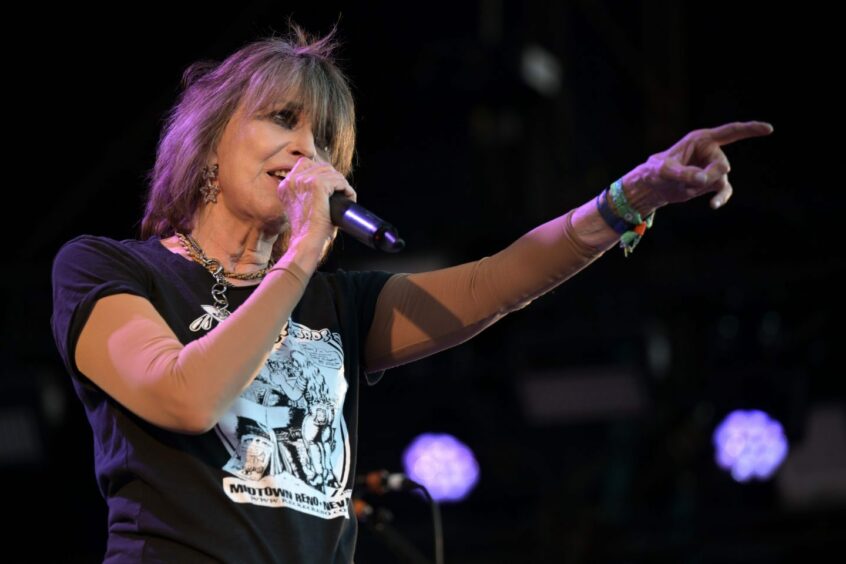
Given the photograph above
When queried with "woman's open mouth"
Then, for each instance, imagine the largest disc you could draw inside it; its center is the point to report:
(278, 176)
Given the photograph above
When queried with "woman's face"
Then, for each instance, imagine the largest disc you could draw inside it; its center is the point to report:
(253, 146)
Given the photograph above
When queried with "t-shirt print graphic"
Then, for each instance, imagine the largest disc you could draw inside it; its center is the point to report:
(286, 436)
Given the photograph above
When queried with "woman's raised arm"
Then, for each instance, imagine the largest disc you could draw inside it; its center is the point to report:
(420, 314)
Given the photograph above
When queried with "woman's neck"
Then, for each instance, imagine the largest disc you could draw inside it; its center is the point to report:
(239, 247)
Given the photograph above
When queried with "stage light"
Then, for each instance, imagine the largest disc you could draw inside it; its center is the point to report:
(443, 464)
(750, 444)
(541, 70)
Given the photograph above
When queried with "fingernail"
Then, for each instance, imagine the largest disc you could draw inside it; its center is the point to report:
(702, 178)
(718, 203)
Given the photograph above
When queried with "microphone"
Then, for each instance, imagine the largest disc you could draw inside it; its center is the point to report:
(381, 481)
(365, 226)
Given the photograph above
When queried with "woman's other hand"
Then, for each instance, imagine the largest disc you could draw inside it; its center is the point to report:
(695, 165)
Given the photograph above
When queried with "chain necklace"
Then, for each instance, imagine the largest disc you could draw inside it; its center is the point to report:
(214, 266)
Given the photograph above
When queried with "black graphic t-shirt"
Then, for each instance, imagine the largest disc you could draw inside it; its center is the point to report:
(272, 481)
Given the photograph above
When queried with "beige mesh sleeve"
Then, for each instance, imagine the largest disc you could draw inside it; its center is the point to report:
(129, 351)
(420, 314)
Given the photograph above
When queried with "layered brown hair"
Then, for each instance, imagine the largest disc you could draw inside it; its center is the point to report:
(298, 68)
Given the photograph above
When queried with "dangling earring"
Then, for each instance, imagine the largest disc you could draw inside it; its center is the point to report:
(209, 188)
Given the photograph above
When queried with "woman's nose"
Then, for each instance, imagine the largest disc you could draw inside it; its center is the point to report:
(303, 143)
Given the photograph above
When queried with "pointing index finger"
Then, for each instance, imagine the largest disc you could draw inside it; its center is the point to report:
(735, 131)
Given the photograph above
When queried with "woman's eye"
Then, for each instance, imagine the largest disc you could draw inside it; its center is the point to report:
(286, 118)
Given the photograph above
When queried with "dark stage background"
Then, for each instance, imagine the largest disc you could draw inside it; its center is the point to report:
(715, 311)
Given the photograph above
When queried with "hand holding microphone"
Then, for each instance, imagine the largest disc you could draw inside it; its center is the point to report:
(317, 198)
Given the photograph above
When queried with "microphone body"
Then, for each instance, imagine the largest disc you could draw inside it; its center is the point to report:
(364, 225)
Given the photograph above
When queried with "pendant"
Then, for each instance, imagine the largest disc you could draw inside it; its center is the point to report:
(205, 321)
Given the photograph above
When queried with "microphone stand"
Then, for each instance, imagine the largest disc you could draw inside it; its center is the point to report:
(377, 523)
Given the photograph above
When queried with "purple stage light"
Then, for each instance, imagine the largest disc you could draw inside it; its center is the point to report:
(749, 443)
(443, 464)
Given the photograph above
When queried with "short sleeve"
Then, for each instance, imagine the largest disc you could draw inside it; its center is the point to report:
(366, 286)
(86, 269)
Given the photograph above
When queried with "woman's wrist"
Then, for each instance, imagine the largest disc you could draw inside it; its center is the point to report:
(629, 220)
(639, 196)
(304, 253)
